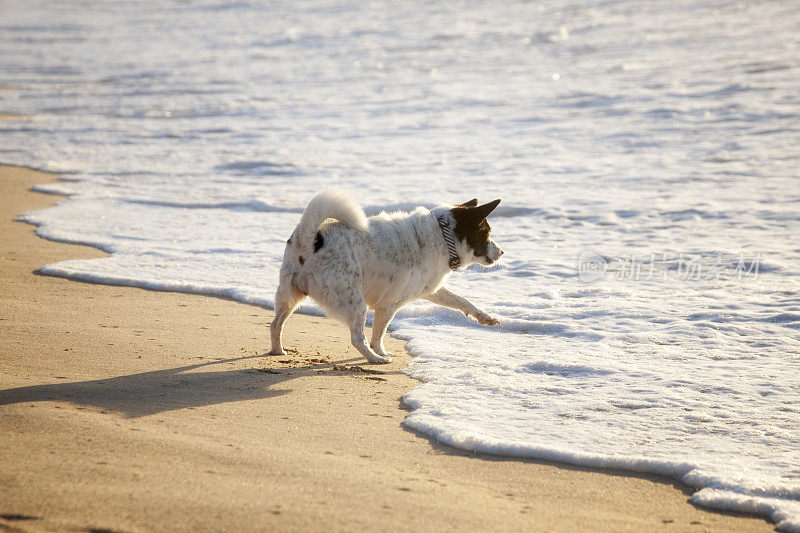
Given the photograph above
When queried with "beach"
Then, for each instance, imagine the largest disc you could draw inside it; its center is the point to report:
(125, 409)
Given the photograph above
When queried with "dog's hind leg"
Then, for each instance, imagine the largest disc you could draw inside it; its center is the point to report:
(287, 298)
(344, 301)
(356, 318)
(383, 315)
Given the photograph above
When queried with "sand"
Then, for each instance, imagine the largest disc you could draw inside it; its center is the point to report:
(132, 410)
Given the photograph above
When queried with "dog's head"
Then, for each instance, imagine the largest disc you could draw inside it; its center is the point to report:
(472, 230)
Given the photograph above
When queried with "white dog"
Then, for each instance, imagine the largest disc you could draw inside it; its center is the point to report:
(350, 263)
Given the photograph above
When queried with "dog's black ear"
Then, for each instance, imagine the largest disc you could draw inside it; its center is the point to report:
(483, 211)
(471, 203)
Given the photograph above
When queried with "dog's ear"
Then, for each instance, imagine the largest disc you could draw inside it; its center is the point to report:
(483, 211)
(471, 203)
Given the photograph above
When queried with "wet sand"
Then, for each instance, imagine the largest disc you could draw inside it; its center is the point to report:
(134, 410)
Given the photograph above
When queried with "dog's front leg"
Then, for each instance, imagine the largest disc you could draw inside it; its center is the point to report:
(454, 301)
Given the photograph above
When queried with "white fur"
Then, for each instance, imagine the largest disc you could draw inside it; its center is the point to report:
(328, 204)
(382, 263)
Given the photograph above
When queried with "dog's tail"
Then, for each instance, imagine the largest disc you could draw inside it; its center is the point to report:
(328, 204)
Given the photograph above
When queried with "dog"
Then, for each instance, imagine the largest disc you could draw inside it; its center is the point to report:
(347, 263)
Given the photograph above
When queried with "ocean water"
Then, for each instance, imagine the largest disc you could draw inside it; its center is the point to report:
(646, 153)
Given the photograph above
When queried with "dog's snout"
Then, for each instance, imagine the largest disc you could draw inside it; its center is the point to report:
(494, 253)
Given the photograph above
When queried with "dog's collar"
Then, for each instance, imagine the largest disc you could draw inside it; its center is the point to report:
(455, 262)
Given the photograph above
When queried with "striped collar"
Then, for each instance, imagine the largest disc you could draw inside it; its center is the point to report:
(454, 262)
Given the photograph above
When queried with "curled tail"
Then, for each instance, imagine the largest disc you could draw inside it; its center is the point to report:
(328, 204)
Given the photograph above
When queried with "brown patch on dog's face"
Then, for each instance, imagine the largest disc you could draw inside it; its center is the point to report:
(474, 233)
(472, 227)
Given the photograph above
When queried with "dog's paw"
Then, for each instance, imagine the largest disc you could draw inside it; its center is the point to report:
(487, 320)
(380, 351)
(279, 351)
(379, 359)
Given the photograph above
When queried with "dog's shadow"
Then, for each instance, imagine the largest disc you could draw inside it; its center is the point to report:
(189, 386)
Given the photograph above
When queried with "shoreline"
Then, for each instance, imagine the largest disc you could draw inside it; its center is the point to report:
(131, 409)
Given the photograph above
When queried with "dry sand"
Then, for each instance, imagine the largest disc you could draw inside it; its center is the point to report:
(133, 410)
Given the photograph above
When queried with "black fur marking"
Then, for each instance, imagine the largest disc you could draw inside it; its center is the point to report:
(474, 232)
(319, 242)
(471, 226)
(301, 260)
(419, 239)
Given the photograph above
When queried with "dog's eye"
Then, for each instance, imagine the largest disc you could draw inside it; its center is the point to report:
(289, 240)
